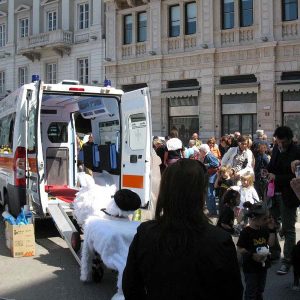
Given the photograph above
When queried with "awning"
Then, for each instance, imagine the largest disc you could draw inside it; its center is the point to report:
(180, 93)
(235, 89)
(292, 87)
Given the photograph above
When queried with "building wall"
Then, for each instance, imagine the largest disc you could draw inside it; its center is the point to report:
(265, 49)
(62, 46)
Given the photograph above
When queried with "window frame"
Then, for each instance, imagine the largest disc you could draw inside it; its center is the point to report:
(283, 6)
(85, 22)
(139, 28)
(223, 13)
(3, 35)
(83, 76)
(22, 72)
(23, 30)
(51, 76)
(127, 32)
(2, 82)
(54, 26)
(171, 32)
(186, 18)
(242, 14)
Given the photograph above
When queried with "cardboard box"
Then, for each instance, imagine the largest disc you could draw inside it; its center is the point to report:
(20, 239)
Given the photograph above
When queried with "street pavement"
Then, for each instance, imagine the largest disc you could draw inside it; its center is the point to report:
(54, 274)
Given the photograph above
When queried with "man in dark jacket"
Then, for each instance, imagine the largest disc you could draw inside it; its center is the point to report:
(280, 171)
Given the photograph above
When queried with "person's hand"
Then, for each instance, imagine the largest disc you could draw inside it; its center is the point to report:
(294, 164)
(258, 257)
(271, 176)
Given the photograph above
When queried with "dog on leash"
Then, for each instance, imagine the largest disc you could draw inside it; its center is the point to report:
(296, 266)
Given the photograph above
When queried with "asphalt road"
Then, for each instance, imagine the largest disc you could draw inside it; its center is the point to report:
(54, 274)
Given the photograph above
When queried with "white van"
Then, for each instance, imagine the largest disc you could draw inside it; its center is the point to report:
(38, 151)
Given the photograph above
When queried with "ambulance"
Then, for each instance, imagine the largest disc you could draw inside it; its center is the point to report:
(39, 155)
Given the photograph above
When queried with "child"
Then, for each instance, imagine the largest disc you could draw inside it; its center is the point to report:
(253, 245)
(230, 199)
(248, 193)
(222, 183)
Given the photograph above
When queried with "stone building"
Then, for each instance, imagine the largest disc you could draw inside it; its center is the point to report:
(214, 66)
(56, 39)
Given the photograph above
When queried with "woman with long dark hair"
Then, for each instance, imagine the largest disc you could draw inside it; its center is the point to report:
(180, 255)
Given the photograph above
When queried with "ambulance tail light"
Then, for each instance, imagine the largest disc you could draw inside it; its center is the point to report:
(20, 166)
(76, 89)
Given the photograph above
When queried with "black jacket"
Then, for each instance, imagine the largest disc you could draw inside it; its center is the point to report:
(207, 270)
(280, 165)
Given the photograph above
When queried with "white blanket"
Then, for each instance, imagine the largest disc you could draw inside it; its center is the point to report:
(111, 240)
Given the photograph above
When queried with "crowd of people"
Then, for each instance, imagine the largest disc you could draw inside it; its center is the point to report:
(252, 191)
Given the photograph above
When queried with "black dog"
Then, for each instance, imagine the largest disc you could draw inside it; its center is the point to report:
(296, 265)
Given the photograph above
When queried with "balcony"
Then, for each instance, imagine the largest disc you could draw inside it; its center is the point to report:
(134, 50)
(291, 30)
(237, 36)
(59, 41)
(182, 43)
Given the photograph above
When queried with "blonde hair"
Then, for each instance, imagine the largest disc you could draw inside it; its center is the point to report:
(249, 177)
(224, 169)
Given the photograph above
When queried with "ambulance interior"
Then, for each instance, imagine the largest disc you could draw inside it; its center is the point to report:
(63, 116)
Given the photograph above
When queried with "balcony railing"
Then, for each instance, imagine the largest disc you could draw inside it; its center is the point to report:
(134, 50)
(291, 30)
(48, 39)
(235, 36)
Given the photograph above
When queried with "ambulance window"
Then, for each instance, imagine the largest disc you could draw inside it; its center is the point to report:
(137, 132)
(58, 132)
(6, 133)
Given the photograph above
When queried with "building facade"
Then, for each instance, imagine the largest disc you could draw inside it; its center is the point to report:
(56, 39)
(213, 66)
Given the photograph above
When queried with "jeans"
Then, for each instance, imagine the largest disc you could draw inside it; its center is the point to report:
(255, 285)
(288, 219)
(211, 200)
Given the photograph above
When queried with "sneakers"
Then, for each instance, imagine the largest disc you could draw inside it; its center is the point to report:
(284, 269)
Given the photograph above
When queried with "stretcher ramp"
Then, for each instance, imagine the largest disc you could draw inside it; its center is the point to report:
(64, 225)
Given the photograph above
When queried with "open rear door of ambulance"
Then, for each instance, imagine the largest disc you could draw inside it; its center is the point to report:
(35, 185)
(136, 143)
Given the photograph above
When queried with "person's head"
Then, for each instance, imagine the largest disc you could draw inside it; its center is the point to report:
(257, 213)
(211, 142)
(192, 143)
(259, 133)
(264, 137)
(91, 138)
(237, 134)
(195, 136)
(247, 179)
(262, 148)
(223, 140)
(182, 194)
(284, 137)
(203, 150)
(231, 197)
(243, 142)
(224, 172)
(174, 133)
(157, 143)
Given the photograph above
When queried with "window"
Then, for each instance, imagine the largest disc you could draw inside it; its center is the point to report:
(51, 19)
(174, 21)
(289, 10)
(2, 82)
(246, 13)
(22, 76)
(83, 70)
(127, 29)
(83, 15)
(137, 131)
(2, 35)
(227, 14)
(142, 27)
(6, 133)
(190, 18)
(51, 71)
(58, 132)
(244, 123)
(23, 27)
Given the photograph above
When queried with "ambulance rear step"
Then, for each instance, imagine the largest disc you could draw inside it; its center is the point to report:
(64, 225)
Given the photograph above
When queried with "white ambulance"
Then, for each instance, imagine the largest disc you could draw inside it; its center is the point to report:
(38, 150)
